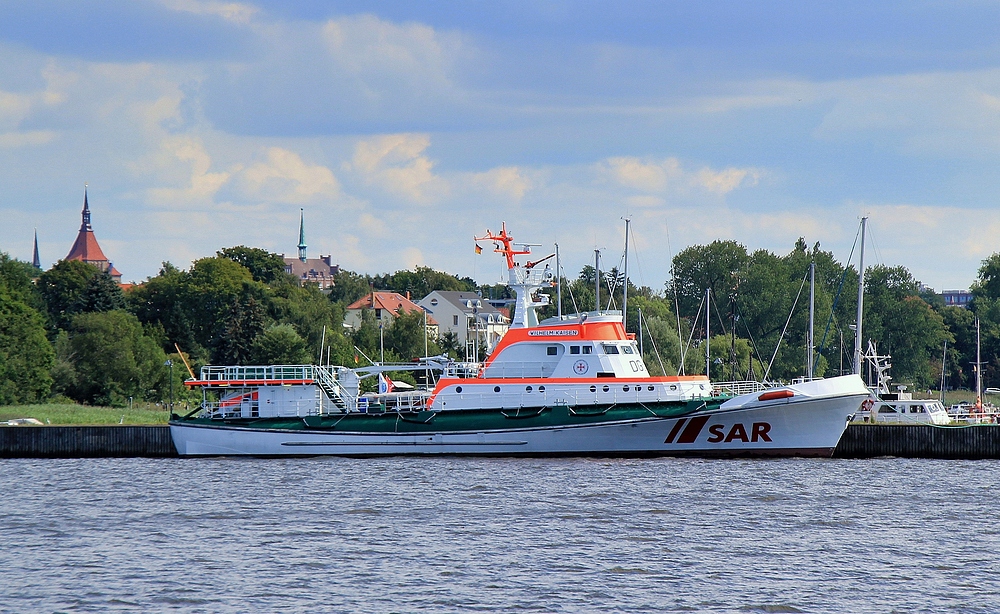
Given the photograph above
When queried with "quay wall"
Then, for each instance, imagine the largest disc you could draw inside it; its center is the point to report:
(86, 441)
(975, 441)
(859, 441)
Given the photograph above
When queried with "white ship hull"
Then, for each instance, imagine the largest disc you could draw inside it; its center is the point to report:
(801, 425)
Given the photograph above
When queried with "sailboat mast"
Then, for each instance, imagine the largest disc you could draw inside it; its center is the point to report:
(625, 289)
(861, 301)
(708, 337)
(944, 363)
(812, 318)
(979, 371)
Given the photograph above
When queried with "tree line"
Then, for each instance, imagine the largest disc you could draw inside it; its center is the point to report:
(71, 333)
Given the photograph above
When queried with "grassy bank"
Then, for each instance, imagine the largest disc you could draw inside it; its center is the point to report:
(65, 413)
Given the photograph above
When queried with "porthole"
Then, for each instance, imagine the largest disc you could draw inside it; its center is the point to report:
(673, 386)
(458, 390)
(624, 388)
(527, 388)
(606, 388)
(496, 389)
(541, 389)
(702, 386)
(593, 388)
(650, 389)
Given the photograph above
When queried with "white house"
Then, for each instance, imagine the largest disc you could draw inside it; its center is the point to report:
(468, 316)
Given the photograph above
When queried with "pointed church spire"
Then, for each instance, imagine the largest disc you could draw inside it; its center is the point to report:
(35, 260)
(85, 226)
(302, 236)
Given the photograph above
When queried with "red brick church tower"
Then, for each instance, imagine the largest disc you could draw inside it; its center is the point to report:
(86, 249)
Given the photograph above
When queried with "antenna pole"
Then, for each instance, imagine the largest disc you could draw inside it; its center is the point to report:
(597, 280)
(625, 290)
(558, 284)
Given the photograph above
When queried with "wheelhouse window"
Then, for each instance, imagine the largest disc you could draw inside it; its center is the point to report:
(574, 349)
(609, 348)
(588, 349)
(627, 349)
(552, 350)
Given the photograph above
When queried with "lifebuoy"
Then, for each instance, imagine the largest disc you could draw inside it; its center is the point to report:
(867, 404)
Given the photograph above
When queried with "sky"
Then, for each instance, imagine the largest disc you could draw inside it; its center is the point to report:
(403, 129)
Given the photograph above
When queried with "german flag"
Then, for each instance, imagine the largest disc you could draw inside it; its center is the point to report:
(479, 250)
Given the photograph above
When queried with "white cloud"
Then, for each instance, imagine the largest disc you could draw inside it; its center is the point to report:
(396, 163)
(285, 177)
(201, 184)
(411, 55)
(659, 176)
(507, 181)
(236, 12)
(12, 140)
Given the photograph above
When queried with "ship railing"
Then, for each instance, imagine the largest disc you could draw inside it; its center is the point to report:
(737, 388)
(531, 277)
(214, 373)
(223, 410)
(393, 402)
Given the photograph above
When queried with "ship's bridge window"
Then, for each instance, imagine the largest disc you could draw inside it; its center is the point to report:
(574, 349)
(587, 349)
(627, 349)
(552, 350)
(610, 349)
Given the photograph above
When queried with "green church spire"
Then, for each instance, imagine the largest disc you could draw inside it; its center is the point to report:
(302, 236)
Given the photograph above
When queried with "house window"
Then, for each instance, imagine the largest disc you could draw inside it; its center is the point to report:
(378, 314)
(454, 320)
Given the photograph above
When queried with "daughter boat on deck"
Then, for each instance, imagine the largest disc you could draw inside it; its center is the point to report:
(571, 385)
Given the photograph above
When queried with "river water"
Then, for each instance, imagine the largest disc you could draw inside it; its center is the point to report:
(498, 535)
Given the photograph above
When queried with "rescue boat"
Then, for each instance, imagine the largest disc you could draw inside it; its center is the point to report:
(569, 385)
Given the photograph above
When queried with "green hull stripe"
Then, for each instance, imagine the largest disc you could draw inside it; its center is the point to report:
(465, 421)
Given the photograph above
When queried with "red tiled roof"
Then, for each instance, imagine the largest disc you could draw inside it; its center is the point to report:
(390, 301)
(85, 248)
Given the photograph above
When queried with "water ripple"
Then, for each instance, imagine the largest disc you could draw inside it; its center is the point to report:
(486, 535)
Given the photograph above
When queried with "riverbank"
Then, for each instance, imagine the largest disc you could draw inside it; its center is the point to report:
(66, 414)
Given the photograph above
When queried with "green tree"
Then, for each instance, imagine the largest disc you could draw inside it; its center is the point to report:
(26, 356)
(113, 359)
(717, 266)
(280, 345)
(100, 294)
(988, 283)
(263, 265)
(903, 324)
(405, 337)
(166, 301)
(62, 287)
